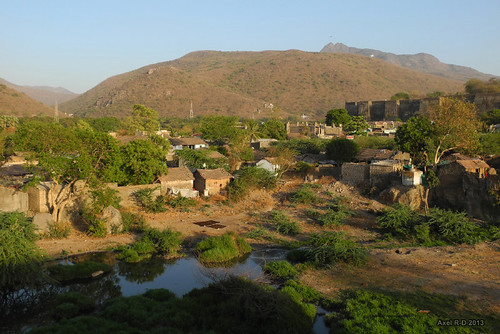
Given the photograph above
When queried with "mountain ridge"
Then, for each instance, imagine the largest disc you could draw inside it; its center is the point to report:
(242, 83)
(45, 94)
(422, 62)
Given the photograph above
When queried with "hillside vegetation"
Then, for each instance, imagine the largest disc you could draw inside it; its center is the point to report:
(15, 103)
(239, 83)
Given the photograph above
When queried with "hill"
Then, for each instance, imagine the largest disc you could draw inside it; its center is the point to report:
(240, 83)
(421, 62)
(14, 103)
(44, 94)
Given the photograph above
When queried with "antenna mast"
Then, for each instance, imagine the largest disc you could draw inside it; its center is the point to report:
(191, 113)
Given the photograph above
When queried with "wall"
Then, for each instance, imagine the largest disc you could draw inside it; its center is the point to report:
(125, 192)
(165, 186)
(355, 173)
(382, 176)
(13, 200)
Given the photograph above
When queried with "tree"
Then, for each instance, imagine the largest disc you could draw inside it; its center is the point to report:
(342, 150)
(400, 96)
(199, 159)
(455, 125)
(219, 129)
(337, 117)
(273, 128)
(491, 117)
(476, 86)
(252, 130)
(416, 137)
(142, 119)
(357, 125)
(66, 155)
(143, 161)
(284, 158)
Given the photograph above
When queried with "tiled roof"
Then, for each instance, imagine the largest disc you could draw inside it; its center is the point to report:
(187, 141)
(214, 174)
(177, 174)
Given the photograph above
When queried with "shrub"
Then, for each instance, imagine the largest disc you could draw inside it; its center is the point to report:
(250, 178)
(144, 197)
(70, 304)
(20, 258)
(59, 230)
(100, 199)
(282, 223)
(154, 241)
(220, 249)
(180, 202)
(133, 221)
(453, 227)
(281, 270)
(304, 195)
(259, 234)
(399, 220)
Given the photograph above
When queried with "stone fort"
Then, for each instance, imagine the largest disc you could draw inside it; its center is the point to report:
(389, 110)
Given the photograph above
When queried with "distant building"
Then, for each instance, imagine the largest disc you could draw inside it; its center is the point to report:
(193, 143)
(211, 181)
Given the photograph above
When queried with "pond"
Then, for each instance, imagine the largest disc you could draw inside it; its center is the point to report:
(179, 276)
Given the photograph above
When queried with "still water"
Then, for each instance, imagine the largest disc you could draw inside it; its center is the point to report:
(179, 276)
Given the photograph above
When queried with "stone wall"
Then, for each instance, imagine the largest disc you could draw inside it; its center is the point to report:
(13, 200)
(389, 110)
(382, 176)
(355, 173)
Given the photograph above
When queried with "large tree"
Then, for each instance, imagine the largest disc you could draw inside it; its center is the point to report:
(273, 128)
(342, 150)
(142, 119)
(65, 155)
(451, 125)
(221, 129)
(143, 161)
(337, 116)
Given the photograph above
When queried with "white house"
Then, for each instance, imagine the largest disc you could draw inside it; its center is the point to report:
(269, 164)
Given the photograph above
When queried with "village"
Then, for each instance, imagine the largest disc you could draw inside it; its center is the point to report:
(273, 184)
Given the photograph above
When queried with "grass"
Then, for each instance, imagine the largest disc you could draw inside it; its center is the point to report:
(282, 223)
(281, 270)
(222, 249)
(83, 270)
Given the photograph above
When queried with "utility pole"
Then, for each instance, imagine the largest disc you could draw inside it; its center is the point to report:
(191, 113)
(56, 113)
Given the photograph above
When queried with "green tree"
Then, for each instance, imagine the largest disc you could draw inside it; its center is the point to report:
(252, 130)
(337, 117)
(66, 155)
(199, 159)
(143, 161)
(455, 125)
(357, 125)
(491, 116)
(220, 129)
(416, 137)
(105, 124)
(400, 96)
(342, 150)
(273, 128)
(142, 119)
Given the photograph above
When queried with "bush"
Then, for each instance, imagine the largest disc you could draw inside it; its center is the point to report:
(281, 270)
(59, 230)
(144, 197)
(70, 304)
(133, 221)
(282, 223)
(154, 241)
(399, 220)
(20, 258)
(304, 195)
(453, 227)
(180, 202)
(100, 199)
(221, 249)
(250, 178)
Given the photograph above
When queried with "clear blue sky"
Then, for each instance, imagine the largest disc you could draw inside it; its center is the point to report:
(78, 44)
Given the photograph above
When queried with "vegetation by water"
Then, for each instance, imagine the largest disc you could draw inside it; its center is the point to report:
(153, 241)
(221, 249)
(20, 258)
(281, 270)
(232, 306)
(328, 248)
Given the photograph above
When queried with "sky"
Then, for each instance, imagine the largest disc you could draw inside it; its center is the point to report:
(78, 44)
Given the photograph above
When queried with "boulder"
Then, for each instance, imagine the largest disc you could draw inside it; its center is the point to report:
(113, 219)
(408, 195)
(43, 221)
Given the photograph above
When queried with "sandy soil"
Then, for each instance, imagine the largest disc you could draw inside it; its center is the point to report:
(469, 271)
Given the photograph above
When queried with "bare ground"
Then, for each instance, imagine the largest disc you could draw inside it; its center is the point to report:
(469, 271)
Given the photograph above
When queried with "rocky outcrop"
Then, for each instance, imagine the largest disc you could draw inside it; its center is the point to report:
(43, 222)
(412, 196)
(113, 219)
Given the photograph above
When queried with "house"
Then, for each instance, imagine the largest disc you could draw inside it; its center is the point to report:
(475, 166)
(262, 143)
(310, 129)
(411, 177)
(211, 181)
(194, 143)
(269, 164)
(178, 181)
(370, 155)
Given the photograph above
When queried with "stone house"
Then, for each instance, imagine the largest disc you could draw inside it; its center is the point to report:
(475, 166)
(211, 181)
(178, 181)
